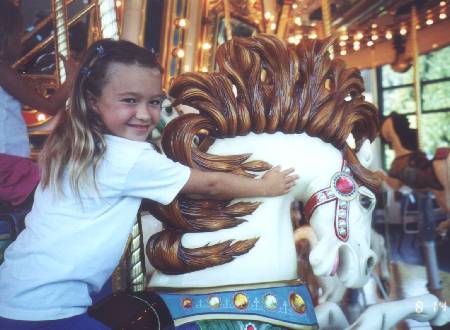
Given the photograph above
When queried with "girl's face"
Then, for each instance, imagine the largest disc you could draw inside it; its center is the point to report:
(130, 102)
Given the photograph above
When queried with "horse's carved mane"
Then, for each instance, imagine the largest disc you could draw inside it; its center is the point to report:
(292, 90)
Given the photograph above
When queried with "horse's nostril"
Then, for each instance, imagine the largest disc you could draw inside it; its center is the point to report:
(370, 264)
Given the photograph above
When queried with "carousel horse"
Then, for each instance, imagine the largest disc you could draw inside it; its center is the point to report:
(411, 166)
(234, 262)
(329, 287)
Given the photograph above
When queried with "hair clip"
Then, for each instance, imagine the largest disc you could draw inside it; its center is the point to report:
(152, 50)
(100, 51)
(86, 72)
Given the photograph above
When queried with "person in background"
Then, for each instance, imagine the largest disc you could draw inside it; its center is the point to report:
(15, 90)
(18, 174)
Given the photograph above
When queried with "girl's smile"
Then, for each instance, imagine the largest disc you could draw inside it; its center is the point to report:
(130, 102)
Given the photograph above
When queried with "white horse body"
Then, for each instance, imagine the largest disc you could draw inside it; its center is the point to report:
(273, 258)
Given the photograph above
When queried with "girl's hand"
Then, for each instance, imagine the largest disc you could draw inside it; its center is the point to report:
(276, 182)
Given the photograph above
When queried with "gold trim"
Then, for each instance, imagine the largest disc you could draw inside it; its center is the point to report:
(141, 37)
(166, 40)
(41, 24)
(283, 19)
(49, 39)
(226, 9)
(326, 21)
(231, 287)
(39, 133)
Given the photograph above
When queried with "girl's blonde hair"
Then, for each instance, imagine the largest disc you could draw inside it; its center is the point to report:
(76, 145)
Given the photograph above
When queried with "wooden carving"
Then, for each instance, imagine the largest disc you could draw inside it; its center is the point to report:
(261, 86)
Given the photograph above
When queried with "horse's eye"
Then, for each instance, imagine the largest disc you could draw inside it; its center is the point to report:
(365, 201)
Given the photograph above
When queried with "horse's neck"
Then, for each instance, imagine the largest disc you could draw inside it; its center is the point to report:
(398, 148)
(310, 157)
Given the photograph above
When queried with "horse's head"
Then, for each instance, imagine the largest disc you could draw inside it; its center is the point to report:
(339, 208)
(263, 86)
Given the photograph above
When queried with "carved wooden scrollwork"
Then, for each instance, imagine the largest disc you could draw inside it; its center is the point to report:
(261, 86)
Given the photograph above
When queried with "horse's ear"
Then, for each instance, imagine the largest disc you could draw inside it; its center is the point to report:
(365, 153)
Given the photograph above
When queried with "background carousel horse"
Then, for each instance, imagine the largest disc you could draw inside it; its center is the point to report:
(267, 105)
(411, 166)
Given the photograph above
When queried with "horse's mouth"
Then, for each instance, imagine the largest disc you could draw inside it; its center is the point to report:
(335, 265)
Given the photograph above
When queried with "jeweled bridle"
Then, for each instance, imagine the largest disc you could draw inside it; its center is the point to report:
(342, 190)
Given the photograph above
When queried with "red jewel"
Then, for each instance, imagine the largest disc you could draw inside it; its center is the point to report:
(250, 327)
(344, 185)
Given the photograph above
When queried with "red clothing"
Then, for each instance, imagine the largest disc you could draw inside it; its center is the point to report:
(415, 170)
(18, 178)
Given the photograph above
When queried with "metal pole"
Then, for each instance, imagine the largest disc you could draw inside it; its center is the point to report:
(326, 18)
(416, 72)
(226, 8)
(428, 235)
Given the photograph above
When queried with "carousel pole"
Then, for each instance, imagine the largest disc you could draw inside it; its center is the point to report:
(283, 19)
(416, 73)
(226, 8)
(134, 21)
(326, 18)
(135, 256)
(133, 30)
(131, 274)
(326, 23)
(428, 226)
(193, 35)
(143, 20)
(107, 18)
(60, 38)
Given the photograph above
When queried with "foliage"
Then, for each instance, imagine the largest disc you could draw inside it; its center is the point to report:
(435, 95)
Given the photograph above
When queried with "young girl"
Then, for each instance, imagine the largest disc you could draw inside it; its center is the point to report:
(97, 167)
(14, 90)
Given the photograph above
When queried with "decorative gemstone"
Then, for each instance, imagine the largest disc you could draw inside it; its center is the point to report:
(187, 303)
(270, 301)
(297, 303)
(241, 301)
(342, 231)
(214, 301)
(250, 326)
(344, 185)
(342, 223)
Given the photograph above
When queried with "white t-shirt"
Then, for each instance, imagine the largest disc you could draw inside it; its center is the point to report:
(69, 249)
(13, 131)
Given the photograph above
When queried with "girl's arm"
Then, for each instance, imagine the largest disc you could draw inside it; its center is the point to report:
(390, 181)
(15, 85)
(219, 185)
